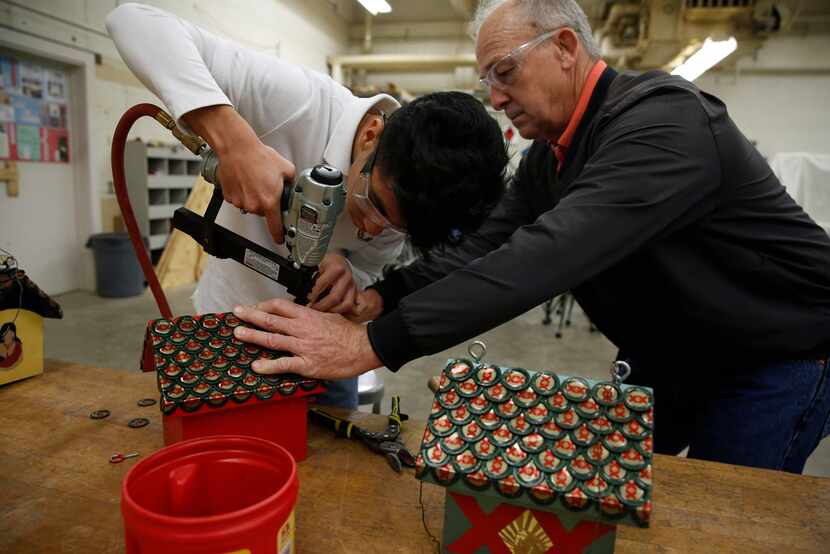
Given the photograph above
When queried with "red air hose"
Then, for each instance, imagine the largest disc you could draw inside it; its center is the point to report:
(119, 140)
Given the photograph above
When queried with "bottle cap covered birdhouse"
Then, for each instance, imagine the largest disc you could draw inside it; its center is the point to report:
(532, 459)
(23, 305)
(207, 385)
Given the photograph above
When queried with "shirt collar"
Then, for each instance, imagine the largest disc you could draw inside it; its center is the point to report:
(338, 151)
(581, 105)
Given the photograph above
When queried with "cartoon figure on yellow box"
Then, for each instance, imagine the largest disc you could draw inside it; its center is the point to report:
(11, 347)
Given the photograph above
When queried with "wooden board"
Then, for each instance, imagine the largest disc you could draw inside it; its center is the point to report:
(59, 493)
(183, 259)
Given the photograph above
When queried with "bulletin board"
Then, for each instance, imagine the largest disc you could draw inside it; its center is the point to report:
(34, 111)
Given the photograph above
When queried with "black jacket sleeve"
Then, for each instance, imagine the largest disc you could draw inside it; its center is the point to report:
(650, 166)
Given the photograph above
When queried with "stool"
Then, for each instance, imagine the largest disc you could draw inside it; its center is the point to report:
(370, 390)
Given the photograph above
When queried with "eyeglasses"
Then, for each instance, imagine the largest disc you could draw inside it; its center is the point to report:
(504, 72)
(371, 208)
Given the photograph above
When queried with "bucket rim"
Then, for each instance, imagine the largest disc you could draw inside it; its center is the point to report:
(224, 442)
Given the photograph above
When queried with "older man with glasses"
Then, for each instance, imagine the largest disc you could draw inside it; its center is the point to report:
(642, 197)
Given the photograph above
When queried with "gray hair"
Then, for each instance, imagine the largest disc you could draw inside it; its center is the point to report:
(546, 15)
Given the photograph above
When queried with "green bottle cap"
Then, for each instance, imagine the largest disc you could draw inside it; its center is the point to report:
(515, 379)
(581, 469)
(575, 389)
(545, 384)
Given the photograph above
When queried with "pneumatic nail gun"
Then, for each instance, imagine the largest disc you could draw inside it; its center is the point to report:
(310, 207)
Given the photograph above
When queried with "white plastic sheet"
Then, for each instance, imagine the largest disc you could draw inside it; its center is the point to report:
(806, 176)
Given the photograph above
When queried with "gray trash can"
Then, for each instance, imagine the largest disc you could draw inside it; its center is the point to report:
(117, 271)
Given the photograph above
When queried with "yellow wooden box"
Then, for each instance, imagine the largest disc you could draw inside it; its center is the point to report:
(21, 345)
(22, 309)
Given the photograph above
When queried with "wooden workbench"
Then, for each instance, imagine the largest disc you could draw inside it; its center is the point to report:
(59, 493)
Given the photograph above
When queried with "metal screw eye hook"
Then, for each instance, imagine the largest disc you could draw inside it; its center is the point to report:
(477, 350)
(620, 371)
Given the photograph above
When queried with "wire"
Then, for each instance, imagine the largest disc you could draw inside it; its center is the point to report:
(424, 518)
(9, 263)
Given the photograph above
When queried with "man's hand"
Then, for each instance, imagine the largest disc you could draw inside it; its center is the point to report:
(325, 346)
(368, 307)
(336, 277)
(252, 174)
(253, 178)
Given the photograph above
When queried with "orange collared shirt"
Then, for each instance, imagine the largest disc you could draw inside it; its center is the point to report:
(564, 142)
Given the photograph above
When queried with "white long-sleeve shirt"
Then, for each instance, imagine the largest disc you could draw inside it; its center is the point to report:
(304, 115)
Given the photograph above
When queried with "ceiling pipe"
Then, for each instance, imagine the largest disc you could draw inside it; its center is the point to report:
(402, 62)
(411, 30)
(367, 33)
(606, 35)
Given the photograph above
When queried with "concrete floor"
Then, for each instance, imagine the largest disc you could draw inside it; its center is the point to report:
(109, 333)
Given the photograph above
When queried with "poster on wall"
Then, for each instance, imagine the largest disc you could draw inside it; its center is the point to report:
(34, 112)
(28, 143)
(5, 143)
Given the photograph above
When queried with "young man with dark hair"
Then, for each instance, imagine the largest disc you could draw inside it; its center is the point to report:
(431, 169)
(441, 155)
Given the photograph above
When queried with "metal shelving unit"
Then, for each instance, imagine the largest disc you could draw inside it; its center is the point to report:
(159, 180)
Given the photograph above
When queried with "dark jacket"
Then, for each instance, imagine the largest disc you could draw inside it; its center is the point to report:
(669, 227)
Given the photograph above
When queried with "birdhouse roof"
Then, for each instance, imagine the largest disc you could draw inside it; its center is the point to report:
(541, 436)
(14, 282)
(199, 363)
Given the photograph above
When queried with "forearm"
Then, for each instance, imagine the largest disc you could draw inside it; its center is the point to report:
(222, 127)
(251, 173)
(368, 358)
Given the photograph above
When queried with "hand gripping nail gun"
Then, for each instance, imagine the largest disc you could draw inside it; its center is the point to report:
(310, 207)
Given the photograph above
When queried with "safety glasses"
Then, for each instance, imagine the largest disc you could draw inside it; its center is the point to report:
(367, 201)
(504, 72)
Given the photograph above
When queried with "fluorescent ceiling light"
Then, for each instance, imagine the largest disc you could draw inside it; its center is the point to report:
(376, 6)
(709, 54)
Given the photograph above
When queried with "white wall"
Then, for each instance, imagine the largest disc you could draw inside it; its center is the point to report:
(46, 226)
(44, 248)
(301, 31)
(421, 81)
(781, 98)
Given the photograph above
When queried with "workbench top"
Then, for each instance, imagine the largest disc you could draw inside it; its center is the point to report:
(59, 493)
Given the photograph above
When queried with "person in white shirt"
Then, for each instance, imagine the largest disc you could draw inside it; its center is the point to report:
(435, 174)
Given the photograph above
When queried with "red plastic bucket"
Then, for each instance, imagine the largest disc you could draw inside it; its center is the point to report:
(214, 495)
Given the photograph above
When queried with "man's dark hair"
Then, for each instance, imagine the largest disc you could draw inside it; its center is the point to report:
(445, 157)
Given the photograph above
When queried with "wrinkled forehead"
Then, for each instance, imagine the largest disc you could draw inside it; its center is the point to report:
(503, 31)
